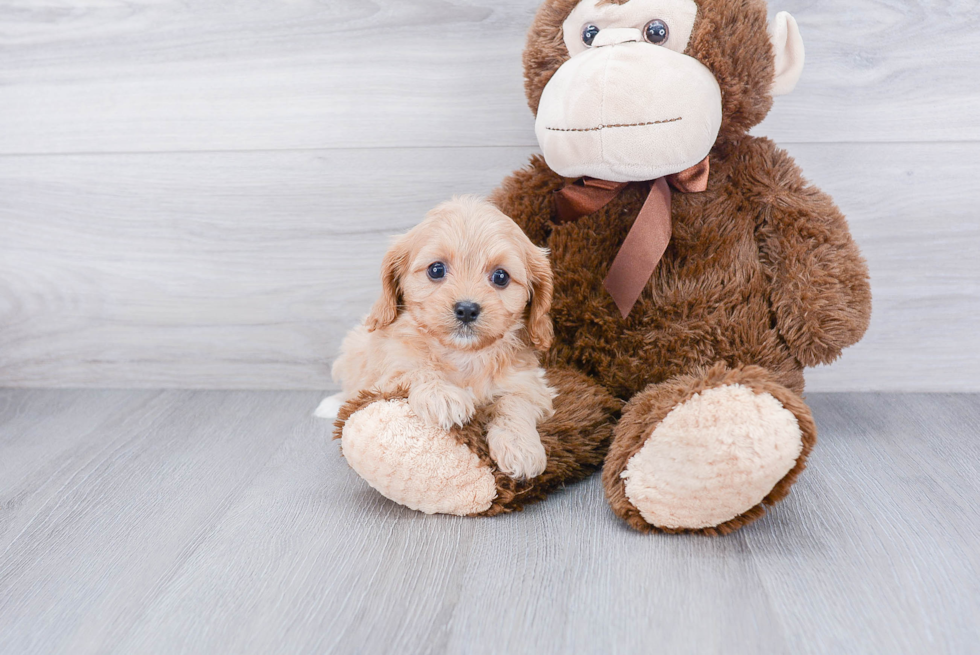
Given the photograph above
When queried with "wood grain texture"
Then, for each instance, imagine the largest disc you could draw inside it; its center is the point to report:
(197, 195)
(237, 270)
(123, 490)
(226, 522)
(912, 209)
(165, 75)
(244, 270)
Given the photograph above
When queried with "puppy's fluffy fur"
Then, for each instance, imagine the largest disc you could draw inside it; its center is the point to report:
(413, 339)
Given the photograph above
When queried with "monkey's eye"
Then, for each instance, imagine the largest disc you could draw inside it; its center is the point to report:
(436, 271)
(500, 278)
(656, 32)
(589, 33)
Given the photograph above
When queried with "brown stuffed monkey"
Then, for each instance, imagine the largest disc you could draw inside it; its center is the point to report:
(696, 274)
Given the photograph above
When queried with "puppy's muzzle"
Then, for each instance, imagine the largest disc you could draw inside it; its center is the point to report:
(466, 312)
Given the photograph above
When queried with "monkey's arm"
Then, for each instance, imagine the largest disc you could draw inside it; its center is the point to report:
(821, 292)
(527, 196)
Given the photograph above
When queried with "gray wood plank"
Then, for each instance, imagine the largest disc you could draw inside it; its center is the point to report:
(164, 75)
(578, 580)
(337, 547)
(138, 76)
(862, 84)
(65, 420)
(222, 270)
(100, 527)
(158, 545)
(918, 225)
(244, 270)
(886, 557)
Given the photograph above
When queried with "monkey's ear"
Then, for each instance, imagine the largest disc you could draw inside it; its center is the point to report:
(385, 310)
(787, 45)
(539, 327)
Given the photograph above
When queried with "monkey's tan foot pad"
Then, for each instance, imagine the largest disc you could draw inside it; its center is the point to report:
(713, 458)
(416, 465)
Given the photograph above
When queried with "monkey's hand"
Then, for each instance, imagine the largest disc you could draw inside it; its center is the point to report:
(821, 294)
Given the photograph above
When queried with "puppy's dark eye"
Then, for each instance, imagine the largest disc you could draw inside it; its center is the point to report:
(437, 271)
(656, 32)
(589, 33)
(500, 278)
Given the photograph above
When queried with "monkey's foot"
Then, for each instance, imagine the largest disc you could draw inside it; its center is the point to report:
(451, 472)
(705, 454)
(416, 465)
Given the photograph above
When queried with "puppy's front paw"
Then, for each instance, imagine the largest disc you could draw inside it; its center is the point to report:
(442, 405)
(518, 455)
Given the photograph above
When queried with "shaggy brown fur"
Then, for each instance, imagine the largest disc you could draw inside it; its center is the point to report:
(760, 270)
(760, 279)
(575, 438)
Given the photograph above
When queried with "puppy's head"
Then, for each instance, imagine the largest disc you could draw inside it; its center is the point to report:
(468, 276)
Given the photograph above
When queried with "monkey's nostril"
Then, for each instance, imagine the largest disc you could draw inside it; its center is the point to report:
(466, 312)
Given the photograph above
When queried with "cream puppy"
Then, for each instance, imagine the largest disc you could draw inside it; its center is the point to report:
(463, 310)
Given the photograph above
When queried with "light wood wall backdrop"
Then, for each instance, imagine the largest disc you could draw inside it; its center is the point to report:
(198, 194)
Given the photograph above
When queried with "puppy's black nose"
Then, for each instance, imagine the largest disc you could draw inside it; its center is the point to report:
(466, 312)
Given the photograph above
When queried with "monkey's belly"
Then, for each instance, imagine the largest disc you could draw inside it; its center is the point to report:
(708, 300)
(665, 336)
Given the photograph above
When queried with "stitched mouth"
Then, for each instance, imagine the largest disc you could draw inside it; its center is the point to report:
(605, 127)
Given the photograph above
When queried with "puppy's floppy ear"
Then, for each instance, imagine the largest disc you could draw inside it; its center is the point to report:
(539, 327)
(385, 310)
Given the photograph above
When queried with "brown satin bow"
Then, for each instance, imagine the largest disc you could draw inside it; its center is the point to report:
(647, 239)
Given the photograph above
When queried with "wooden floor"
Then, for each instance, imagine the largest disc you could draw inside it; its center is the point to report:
(227, 522)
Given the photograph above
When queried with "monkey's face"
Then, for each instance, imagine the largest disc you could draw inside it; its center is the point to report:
(628, 90)
(628, 104)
